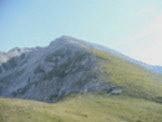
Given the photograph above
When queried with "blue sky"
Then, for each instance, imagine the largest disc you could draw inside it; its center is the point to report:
(133, 27)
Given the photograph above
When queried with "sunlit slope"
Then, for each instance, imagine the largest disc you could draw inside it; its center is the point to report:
(82, 108)
(135, 81)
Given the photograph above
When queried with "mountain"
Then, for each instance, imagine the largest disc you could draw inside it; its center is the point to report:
(66, 66)
(157, 69)
(83, 79)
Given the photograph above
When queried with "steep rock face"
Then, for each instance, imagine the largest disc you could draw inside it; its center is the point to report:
(47, 74)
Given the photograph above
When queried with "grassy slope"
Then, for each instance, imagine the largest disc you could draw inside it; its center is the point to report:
(87, 108)
(133, 79)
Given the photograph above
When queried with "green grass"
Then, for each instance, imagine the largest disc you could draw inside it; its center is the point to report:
(82, 108)
(133, 79)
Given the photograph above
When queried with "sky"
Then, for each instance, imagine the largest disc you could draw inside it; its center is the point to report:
(132, 27)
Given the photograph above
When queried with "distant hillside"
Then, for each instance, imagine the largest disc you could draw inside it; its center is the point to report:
(87, 82)
(157, 69)
(70, 65)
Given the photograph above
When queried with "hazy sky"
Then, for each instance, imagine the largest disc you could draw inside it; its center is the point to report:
(133, 27)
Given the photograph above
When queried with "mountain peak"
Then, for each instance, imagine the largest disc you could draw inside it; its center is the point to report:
(67, 40)
(65, 37)
(16, 49)
(69, 65)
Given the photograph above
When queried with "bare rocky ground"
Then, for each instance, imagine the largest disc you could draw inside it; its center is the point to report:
(48, 74)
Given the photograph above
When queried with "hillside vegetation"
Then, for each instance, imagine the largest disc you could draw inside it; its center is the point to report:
(134, 80)
(82, 108)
